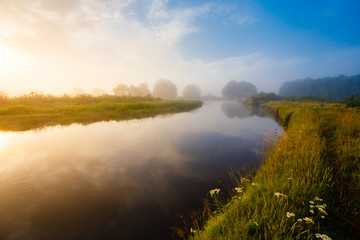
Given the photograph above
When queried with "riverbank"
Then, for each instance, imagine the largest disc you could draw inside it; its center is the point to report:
(37, 111)
(308, 186)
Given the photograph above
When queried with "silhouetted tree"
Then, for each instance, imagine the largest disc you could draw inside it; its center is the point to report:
(191, 92)
(165, 89)
(240, 90)
(121, 90)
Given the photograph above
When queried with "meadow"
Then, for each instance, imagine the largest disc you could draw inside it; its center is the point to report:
(35, 111)
(308, 186)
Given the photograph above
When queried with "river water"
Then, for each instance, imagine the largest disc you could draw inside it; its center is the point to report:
(122, 180)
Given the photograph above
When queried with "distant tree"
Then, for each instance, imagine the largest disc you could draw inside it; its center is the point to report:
(165, 89)
(121, 90)
(98, 92)
(3, 95)
(335, 88)
(134, 91)
(191, 92)
(78, 91)
(240, 90)
(144, 89)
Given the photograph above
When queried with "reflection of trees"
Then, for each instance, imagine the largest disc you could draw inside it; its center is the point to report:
(239, 110)
(234, 109)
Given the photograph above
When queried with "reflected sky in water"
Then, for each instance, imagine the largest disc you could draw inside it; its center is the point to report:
(121, 180)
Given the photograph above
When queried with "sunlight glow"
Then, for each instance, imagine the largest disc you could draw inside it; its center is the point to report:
(8, 59)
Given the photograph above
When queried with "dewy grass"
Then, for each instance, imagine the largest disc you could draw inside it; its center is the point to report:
(36, 111)
(308, 186)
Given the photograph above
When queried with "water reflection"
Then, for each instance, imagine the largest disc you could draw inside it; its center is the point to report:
(234, 109)
(119, 180)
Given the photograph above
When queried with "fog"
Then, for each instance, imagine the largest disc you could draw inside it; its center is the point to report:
(56, 46)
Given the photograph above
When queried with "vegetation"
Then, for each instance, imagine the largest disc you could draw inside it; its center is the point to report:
(352, 101)
(165, 89)
(335, 88)
(261, 98)
(308, 186)
(39, 110)
(238, 90)
(191, 92)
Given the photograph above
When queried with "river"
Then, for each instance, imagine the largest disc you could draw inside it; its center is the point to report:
(132, 179)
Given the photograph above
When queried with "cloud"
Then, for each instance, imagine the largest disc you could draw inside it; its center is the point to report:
(60, 45)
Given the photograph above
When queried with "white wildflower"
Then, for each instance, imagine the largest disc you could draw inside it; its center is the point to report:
(312, 211)
(214, 191)
(253, 184)
(192, 230)
(277, 194)
(239, 189)
(318, 199)
(322, 236)
(311, 202)
(299, 220)
(290, 215)
(308, 220)
(311, 206)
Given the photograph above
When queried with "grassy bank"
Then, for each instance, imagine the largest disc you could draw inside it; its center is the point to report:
(308, 186)
(36, 111)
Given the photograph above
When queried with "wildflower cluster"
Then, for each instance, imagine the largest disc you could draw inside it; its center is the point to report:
(317, 205)
(239, 190)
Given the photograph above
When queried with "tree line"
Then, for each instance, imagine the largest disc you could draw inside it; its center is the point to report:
(334, 88)
(164, 89)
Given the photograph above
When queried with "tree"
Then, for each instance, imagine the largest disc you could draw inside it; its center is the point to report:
(191, 92)
(121, 90)
(165, 89)
(133, 91)
(3, 95)
(98, 92)
(240, 90)
(143, 89)
(78, 91)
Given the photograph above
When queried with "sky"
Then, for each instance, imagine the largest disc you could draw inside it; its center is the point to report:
(55, 46)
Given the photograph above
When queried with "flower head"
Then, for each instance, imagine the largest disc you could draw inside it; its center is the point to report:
(308, 220)
(239, 189)
(214, 191)
(290, 214)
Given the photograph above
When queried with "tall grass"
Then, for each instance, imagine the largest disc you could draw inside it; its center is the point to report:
(38, 110)
(308, 186)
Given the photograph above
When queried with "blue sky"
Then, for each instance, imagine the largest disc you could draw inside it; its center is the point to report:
(54, 46)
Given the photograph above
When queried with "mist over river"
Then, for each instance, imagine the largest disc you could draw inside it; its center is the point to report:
(122, 180)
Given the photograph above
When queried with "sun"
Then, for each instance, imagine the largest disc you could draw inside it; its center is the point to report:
(8, 59)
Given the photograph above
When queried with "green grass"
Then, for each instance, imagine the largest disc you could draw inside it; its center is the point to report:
(37, 111)
(312, 172)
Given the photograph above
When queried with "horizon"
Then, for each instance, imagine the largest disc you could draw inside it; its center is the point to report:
(55, 47)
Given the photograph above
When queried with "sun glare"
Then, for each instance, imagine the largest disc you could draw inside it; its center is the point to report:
(8, 59)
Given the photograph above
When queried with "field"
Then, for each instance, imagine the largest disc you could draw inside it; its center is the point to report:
(36, 110)
(308, 186)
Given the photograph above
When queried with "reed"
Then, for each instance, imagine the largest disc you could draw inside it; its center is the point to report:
(308, 186)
